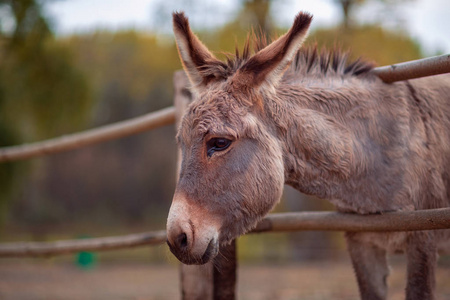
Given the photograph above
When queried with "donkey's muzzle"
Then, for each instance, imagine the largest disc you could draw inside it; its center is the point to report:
(181, 251)
(192, 234)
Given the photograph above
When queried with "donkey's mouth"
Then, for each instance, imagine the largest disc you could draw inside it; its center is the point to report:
(211, 251)
(188, 258)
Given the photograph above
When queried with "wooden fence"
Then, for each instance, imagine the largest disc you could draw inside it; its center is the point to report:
(206, 282)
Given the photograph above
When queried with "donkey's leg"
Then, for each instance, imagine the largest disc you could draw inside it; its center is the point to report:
(421, 254)
(370, 265)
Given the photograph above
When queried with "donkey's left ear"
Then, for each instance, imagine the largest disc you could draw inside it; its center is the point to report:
(194, 55)
(269, 64)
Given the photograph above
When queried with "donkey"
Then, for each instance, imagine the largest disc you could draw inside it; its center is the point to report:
(325, 127)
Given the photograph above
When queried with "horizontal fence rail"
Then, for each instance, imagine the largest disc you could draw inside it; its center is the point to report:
(283, 222)
(24, 249)
(398, 72)
(333, 221)
(414, 69)
(117, 130)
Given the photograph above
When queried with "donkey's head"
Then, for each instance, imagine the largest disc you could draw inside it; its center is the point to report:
(232, 170)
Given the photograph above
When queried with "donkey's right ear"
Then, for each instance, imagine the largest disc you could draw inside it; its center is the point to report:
(194, 55)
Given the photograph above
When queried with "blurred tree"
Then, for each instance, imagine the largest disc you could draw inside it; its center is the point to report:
(369, 42)
(45, 94)
(256, 14)
(348, 8)
(42, 94)
(130, 180)
(8, 171)
(253, 15)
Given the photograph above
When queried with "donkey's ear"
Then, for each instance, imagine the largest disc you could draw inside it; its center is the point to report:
(269, 64)
(194, 55)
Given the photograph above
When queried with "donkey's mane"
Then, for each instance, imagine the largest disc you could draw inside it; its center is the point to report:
(310, 59)
(307, 60)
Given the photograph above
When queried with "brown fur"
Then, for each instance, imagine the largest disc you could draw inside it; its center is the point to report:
(327, 128)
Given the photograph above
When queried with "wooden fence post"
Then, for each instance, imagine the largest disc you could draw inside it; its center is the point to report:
(212, 281)
(224, 271)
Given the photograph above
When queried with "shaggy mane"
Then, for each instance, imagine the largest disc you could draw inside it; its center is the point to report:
(307, 60)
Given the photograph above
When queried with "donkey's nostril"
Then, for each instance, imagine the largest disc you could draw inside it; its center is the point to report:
(182, 241)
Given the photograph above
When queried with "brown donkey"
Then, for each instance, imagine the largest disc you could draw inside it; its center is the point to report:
(328, 128)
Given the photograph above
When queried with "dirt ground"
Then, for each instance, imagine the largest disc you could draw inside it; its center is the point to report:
(42, 279)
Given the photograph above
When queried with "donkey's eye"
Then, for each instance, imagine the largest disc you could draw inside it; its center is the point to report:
(217, 144)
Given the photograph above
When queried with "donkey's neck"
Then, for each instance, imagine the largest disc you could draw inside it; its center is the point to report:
(318, 123)
(333, 96)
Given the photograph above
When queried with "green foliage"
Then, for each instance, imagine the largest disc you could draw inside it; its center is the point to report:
(42, 94)
(45, 95)
(8, 171)
(129, 66)
(130, 179)
(370, 42)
